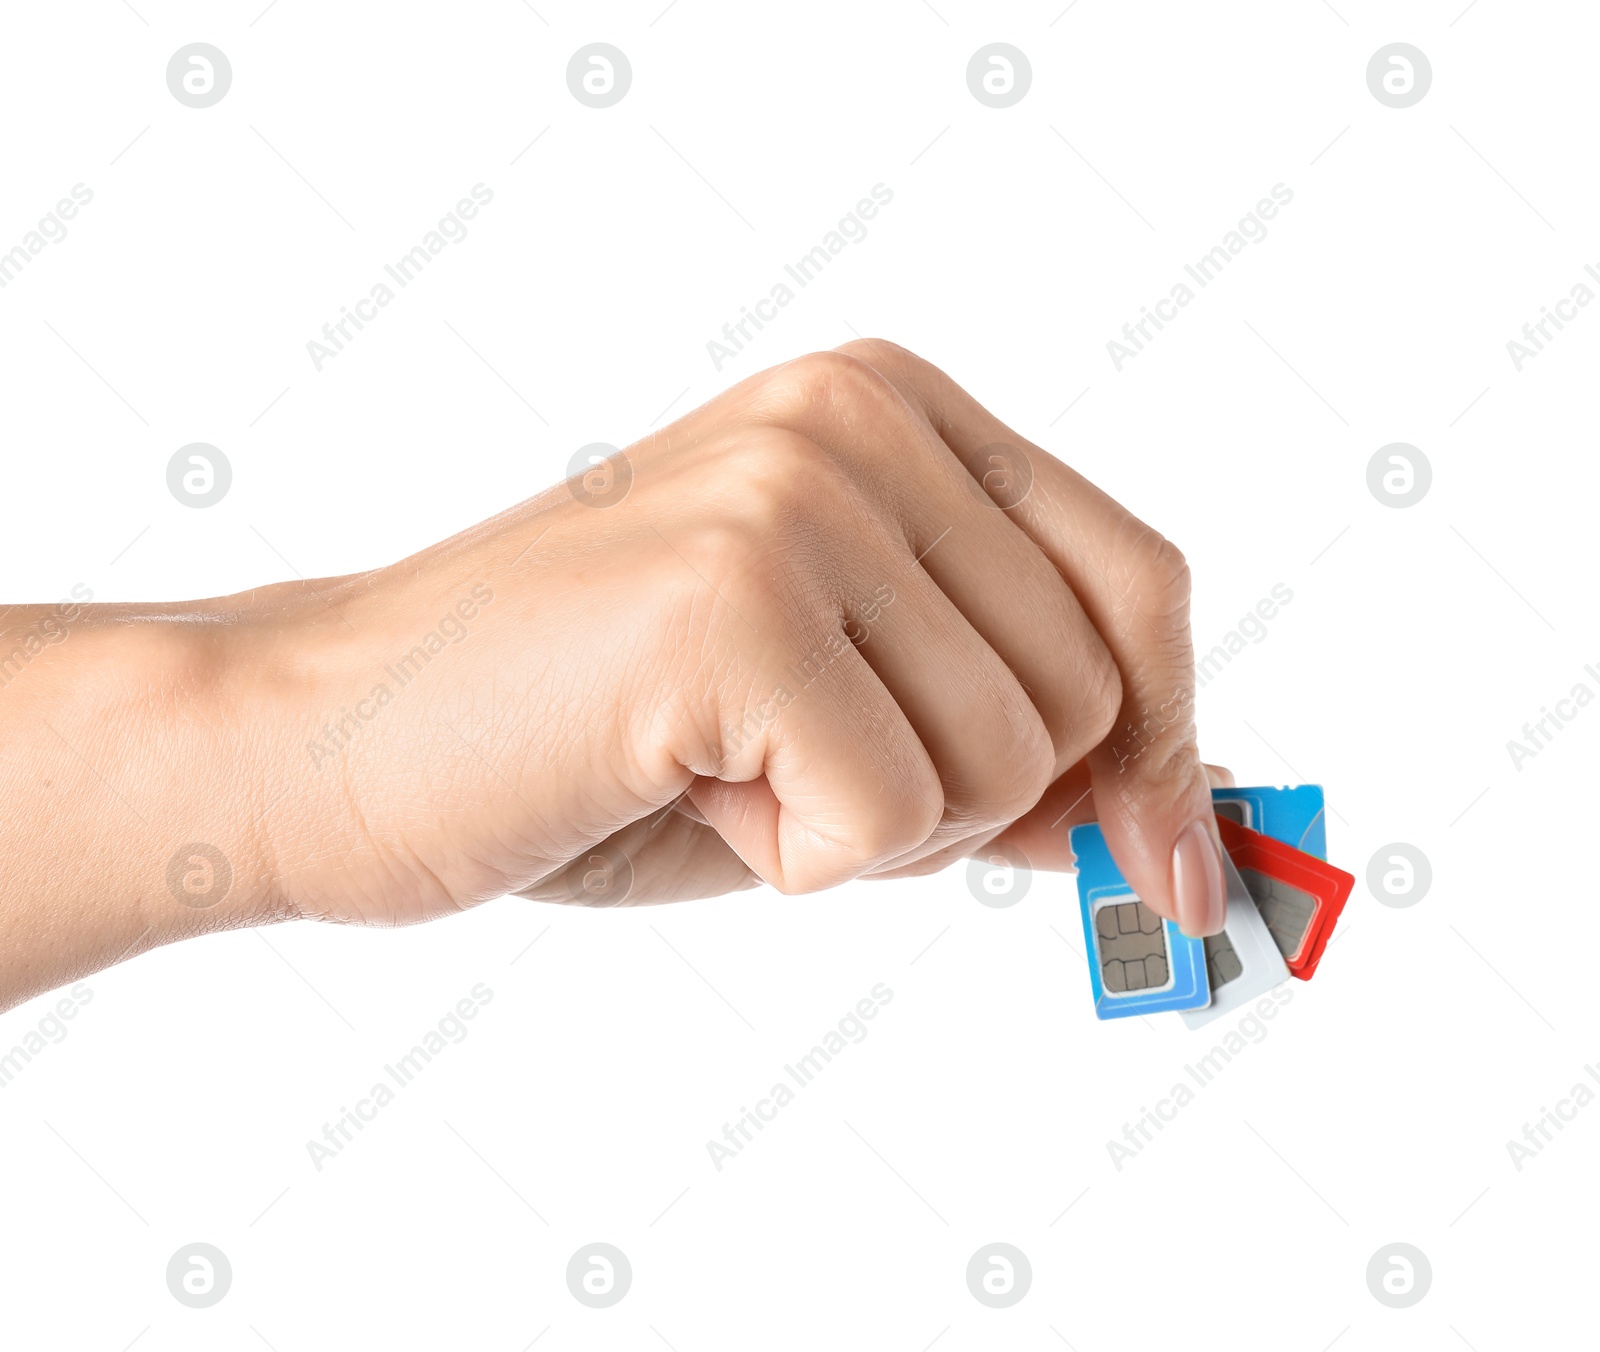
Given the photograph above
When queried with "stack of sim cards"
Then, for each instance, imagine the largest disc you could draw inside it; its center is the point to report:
(1284, 899)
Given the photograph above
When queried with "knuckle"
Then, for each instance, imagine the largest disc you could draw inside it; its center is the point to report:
(821, 379)
(1005, 783)
(879, 352)
(775, 480)
(1101, 703)
(1157, 743)
(926, 383)
(1157, 569)
(785, 392)
(1034, 768)
(778, 466)
(916, 816)
(719, 549)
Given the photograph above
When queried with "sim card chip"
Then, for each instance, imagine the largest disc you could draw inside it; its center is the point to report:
(1294, 815)
(1138, 962)
(1296, 894)
(1242, 962)
(1132, 947)
(1222, 961)
(1286, 909)
(1234, 810)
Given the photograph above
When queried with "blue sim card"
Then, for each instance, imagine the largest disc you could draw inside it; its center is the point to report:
(1138, 962)
(1293, 815)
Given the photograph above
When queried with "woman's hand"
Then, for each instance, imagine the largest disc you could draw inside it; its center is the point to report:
(840, 621)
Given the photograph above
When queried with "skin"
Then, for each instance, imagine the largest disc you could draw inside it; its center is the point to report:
(843, 622)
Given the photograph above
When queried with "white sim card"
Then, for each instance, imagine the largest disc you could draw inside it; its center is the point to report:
(1243, 961)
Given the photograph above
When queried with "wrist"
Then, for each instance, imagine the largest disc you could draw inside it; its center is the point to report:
(354, 690)
(280, 668)
(196, 758)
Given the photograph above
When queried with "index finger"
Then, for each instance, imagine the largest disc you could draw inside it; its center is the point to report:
(1150, 789)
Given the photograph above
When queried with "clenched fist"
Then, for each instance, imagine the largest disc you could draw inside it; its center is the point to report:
(840, 621)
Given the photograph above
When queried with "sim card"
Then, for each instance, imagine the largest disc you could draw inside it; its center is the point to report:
(1299, 896)
(1242, 962)
(1138, 962)
(1293, 815)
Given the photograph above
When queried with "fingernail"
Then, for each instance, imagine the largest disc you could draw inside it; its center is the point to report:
(1197, 885)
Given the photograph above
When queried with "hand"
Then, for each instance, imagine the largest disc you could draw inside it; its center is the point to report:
(840, 621)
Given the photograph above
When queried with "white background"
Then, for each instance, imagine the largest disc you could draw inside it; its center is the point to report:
(1378, 1107)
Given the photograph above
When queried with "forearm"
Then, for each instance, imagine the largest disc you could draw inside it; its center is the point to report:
(302, 749)
(124, 752)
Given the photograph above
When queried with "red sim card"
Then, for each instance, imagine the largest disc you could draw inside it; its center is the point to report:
(1298, 895)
